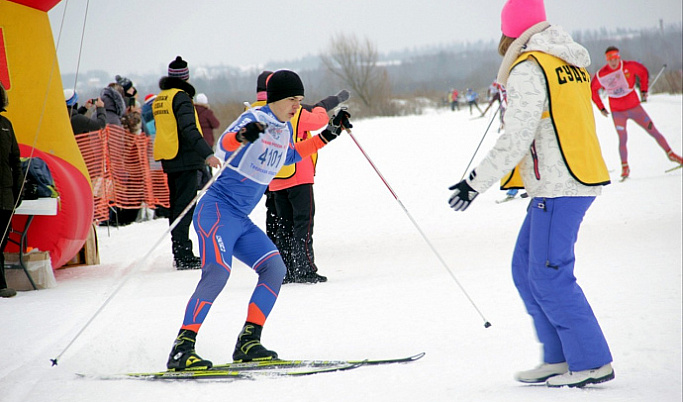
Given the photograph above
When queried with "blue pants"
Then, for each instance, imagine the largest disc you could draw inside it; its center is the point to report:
(543, 272)
(222, 234)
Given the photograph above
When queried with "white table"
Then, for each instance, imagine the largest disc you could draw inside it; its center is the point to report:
(31, 208)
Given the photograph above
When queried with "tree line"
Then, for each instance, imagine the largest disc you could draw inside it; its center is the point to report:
(405, 82)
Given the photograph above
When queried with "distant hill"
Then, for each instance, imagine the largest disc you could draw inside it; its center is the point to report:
(434, 69)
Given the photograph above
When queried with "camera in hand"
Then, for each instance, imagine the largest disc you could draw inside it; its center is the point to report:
(131, 102)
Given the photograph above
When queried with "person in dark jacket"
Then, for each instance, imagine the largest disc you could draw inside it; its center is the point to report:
(114, 104)
(80, 123)
(182, 150)
(10, 185)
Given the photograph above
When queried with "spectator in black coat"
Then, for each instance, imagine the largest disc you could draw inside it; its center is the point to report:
(180, 147)
(10, 185)
(80, 123)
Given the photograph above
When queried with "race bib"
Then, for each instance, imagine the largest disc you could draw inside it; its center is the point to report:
(615, 84)
(265, 157)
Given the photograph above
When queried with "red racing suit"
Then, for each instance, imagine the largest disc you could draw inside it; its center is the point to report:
(619, 84)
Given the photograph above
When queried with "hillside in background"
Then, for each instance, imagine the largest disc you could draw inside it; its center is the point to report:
(429, 72)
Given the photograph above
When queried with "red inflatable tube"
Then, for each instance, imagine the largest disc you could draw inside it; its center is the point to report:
(65, 234)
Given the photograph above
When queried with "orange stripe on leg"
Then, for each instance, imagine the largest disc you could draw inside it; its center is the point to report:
(255, 315)
(192, 327)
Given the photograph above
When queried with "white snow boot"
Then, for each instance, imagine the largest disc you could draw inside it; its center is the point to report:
(580, 379)
(542, 372)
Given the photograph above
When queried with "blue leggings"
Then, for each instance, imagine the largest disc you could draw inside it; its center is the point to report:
(543, 272)
(222, 235)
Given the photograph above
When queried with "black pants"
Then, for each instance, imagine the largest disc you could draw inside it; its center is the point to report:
(5, 217)
(271, 216)
(474, 103)
(295, 210)
(182, 188)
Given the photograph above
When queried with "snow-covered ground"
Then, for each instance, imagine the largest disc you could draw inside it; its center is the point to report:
(388, 295)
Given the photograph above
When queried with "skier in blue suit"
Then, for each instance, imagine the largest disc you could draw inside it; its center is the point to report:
(262, 139)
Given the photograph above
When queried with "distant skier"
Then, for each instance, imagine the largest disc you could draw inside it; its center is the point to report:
(618, 78)
(496, 92)
(471, 97)
(453, 96)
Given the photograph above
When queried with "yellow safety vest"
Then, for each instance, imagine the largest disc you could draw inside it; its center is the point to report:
(571, 112)
(288, 171)
(166, 141)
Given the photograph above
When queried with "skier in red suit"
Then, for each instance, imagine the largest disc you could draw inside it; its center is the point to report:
(618, 78)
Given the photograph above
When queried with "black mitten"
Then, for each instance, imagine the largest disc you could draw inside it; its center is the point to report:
(333, 101)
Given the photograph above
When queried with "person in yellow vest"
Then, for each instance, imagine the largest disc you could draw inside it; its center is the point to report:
(290, 204)
(550, 143)
(292, 188)
(182, 150)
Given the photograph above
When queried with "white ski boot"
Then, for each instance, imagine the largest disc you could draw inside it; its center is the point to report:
(580, 379)
(542, 372)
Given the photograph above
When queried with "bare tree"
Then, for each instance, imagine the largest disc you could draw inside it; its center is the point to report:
(356, 64)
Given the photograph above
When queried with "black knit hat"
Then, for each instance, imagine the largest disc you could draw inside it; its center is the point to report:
(178, 69)
(283, 84)
(124, 82)
(261, 80)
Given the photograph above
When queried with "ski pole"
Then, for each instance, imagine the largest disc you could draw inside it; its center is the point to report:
(652, 84)
(480, 142)
(393, 193)
(135, 266)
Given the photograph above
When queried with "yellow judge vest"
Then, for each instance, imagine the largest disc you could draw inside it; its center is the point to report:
(288, 171)
(166, 141)
(571, 112)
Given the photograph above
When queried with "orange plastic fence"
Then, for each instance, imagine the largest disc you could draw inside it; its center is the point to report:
(122, 170)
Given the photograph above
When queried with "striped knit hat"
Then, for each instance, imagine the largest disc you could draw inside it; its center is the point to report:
(178, 69)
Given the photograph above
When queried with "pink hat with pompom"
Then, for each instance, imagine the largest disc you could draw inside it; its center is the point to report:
(519, 15)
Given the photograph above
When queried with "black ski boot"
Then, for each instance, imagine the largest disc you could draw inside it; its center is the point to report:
(183, 356)
(183, 258)
(249, 346)
(189, 262)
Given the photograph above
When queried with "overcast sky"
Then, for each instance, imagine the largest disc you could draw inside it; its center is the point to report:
(139, 36)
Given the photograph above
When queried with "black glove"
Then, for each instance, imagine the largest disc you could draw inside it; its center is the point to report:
(338, 123)
(462, 197)
(250, 132)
